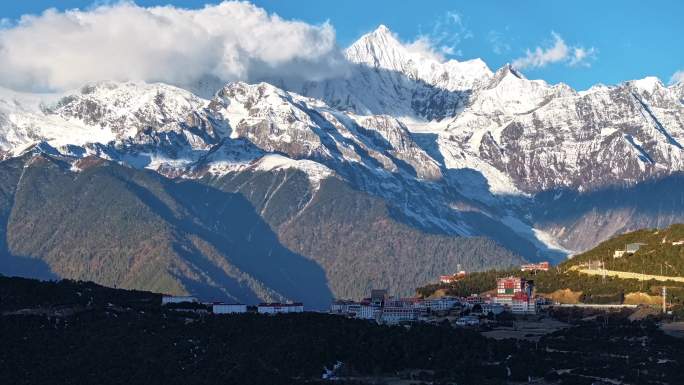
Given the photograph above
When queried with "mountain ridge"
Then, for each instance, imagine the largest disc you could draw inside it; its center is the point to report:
(443, 151)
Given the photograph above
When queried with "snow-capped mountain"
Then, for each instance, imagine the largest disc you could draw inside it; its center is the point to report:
(557, 138)
(387, 77)
(434, 150)
(255, 141)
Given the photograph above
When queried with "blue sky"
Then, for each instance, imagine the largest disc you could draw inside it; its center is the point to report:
(612, 41)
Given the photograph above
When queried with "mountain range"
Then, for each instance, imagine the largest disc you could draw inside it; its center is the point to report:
(400, 170)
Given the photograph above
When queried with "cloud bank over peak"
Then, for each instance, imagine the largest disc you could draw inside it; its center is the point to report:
(229, 41)
(677, 77)
(559, 52)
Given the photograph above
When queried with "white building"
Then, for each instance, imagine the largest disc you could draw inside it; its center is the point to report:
(342, 307)
(474, 299)
(441, 304)
(225, 308)
(278, 308)
(396, 314)
(494, 308)
(354, 309)
(368, 311)
(468, 321)
(167, 299)
(522, 304)
(630, 248)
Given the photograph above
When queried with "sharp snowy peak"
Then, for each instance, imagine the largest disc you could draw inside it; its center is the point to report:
(388, 77)
(381, 50)
(509, 93)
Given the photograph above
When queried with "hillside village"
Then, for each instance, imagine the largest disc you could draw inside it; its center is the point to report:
(193, 304)
(513, 295)
(635, 268)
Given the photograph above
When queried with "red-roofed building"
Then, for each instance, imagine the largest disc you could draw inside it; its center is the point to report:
(509, 286)
(521, 303)
(453, 277)
(541, 266)
(516, 294)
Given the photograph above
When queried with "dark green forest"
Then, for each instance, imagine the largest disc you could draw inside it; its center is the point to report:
(114, 336)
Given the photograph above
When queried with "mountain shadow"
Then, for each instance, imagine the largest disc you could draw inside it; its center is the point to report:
(13, 265)
(230, 223)
(134, 228)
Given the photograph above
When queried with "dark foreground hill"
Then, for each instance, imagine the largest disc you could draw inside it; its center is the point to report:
(116, 336)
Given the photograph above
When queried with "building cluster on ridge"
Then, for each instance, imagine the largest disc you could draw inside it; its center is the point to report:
(386, 309)
(513, 294)
(236, 308)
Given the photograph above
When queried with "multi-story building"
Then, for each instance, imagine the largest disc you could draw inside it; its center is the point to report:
(227, 308)
(276, 308)
(340, 306)
(504, 300)
(354, 309)
(521, 303)
(630, 248)
(383, 308)
(541, 266)
(368, 311)
(453, 277)
(441, 304)
(468, 321)
(509, 286)
(474, 299)
(396, 314)
(494, 308)
(515, 293)
(167, 299)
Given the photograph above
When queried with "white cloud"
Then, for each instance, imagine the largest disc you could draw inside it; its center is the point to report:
(444, 36)
(677, 77)
(230, 41)
(559, 52)
(498, 41)
(581, 55)
(424, 47)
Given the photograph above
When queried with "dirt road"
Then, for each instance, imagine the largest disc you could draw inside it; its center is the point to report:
(630, 275)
